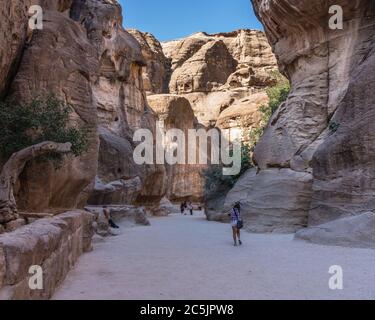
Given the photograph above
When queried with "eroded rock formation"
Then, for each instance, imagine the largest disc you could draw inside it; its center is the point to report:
(184, 181)
(155, 76)
(325, 128)
(222, 76)
(215, 72)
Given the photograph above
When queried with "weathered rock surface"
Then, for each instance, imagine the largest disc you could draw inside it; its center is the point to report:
(120, 99)
(184, 181)
(324, 128)
(55, 244)
(13, 36)
(130, 216)
(273, 200)
(210, 67)
(69, 78)
(353, 231)
(156, 73)
(243, 114)
(216, 71)
(116, 192)
(224, 77)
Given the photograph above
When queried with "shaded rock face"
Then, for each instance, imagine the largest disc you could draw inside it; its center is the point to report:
(325, 127)
(69, 78)
(13, 35)
(120, 98)
(183, 181)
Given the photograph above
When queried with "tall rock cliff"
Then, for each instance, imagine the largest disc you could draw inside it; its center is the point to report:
(317, 150)
(222, 76)
(85, 57)
(222, 72)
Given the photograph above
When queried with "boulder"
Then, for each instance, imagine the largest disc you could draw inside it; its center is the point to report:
(272, 200)
(353, 231)
(116, 192)
(130, 216)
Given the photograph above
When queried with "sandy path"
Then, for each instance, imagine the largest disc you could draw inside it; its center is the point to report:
(181, 257)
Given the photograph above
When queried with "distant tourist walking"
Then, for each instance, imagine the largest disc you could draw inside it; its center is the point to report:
(191, 208)
(183, 207)
(236, 222)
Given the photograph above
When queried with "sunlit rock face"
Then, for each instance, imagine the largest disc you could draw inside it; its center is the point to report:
(122, 108)
(216, 72)
(69, 77)
(221, 77)
(156, 73)
(325, 128)
(85, 57)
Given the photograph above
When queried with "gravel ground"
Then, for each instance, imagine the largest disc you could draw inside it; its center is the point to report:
(187, 258)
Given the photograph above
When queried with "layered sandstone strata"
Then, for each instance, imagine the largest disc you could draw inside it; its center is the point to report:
(325, 128)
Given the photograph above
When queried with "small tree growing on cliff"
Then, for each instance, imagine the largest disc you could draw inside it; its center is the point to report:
(35, 130)
(277, 94)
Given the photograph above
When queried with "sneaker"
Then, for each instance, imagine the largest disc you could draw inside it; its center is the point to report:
(240, 242)
(235, 244)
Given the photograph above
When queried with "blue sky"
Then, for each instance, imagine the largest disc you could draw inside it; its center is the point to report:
(172, 19)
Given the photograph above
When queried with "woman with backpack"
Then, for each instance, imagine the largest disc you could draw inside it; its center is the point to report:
(236, 222)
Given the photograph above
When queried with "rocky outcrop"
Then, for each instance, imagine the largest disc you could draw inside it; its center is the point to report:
(208, 68)
(54, 244)
(224, 76)
(273, 200)
(122, 107)
(97, 70)
(69, 78)
(243, 114)
(156, 73)
(184, 181)
(324, 129)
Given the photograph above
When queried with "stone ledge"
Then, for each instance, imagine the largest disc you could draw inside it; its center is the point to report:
(55, 244)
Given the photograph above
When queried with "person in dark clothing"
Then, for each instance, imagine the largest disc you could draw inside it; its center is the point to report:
(107, 214)
(182, 207)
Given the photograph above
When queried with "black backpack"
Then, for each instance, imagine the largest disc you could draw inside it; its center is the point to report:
(239, 221)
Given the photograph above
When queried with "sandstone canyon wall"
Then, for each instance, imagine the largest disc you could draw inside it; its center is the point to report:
(85, 57)
(223, 76)
(315, 159)
(223, 79)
